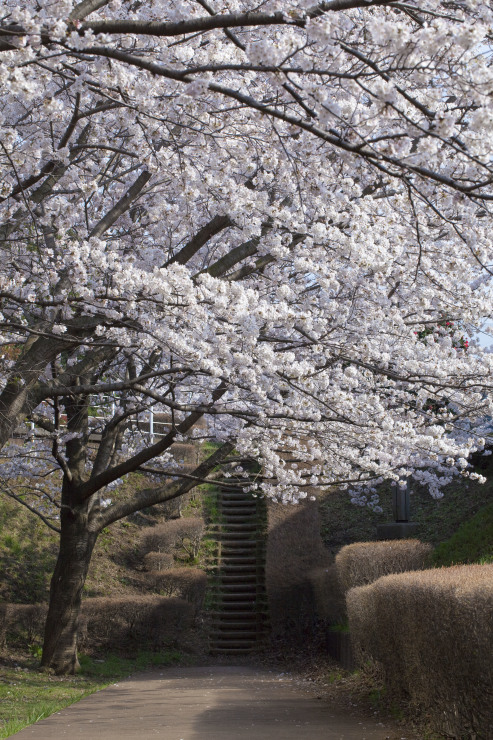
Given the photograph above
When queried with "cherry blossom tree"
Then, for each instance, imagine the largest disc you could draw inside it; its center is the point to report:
(253, 215)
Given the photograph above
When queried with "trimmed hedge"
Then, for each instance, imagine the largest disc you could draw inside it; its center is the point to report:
(22, 624)
(364, 562)
(328, 596)
(182, 537)
(105, 623)
(146, 621)
(189, 584)
(432, 631)
(154, 561)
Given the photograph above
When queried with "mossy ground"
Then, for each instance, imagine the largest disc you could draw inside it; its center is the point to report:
(28, 550)
(343, 523)
(471, 543)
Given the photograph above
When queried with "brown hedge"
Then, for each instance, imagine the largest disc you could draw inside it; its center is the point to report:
(364, 562)
(186, 583)
(105, 623)
(150, 621)
(432, 631)
(22, 624)
(181, 537)
(158, 561)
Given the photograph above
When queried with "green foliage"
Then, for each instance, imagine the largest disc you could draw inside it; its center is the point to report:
(344, 523)
(210, 504)
(116, 666)
(471, 543)
(342, 628)
(27, 554)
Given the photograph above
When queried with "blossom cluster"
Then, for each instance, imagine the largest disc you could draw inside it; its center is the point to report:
(265, 227)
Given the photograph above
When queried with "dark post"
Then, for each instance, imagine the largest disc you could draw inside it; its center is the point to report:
(401, 528)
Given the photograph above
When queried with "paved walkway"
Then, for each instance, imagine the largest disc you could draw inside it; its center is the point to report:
(204, 703)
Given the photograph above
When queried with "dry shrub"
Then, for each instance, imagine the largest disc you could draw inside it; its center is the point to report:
(186, 583)
(22, 624)
(432, 631)
(181, 537)
(364, 562)
(158, 561)
(294, 550)
(186, 454)
(329, 598)
(150, 621)
(3, 624)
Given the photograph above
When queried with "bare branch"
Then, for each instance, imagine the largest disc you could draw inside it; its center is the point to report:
(166, 492)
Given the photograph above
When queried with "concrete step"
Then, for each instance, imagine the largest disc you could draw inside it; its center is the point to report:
(230, 651)
(230, 521)
(236, 613)
(235, 644)
(241, 503)
(239, 560)
(240, 635)
(228, 572)
(248, 511)
(236, 545)
(238, 566)
(245, 624)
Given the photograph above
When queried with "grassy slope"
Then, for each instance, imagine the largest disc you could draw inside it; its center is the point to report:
(28, 552)
(471, 543)
(343, 522)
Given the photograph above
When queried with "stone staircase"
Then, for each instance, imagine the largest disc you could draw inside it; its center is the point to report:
(240, 616)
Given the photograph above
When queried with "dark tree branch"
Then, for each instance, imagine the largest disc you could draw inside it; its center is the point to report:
(213, 227)
(128, 466)
(166, 492)
(123, 204)
(224, 21)
(41, 516)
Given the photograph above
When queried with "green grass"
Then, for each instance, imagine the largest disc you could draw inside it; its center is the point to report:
(343, 522)
(342, 628)
(471, 543)
(27, 554)
(26, 695)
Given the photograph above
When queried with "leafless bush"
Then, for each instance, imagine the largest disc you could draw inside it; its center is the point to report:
(144, 620)
(329, 598)
(364, 562)
(158, 561)
(181, 537)
(432, 632)
(22, 624)
(294, 551)
(187, 583)
(3, 624)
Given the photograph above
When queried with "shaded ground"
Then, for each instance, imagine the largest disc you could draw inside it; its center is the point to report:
(210, 703)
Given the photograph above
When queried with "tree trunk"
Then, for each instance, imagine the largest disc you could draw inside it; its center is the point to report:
(76, 545)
